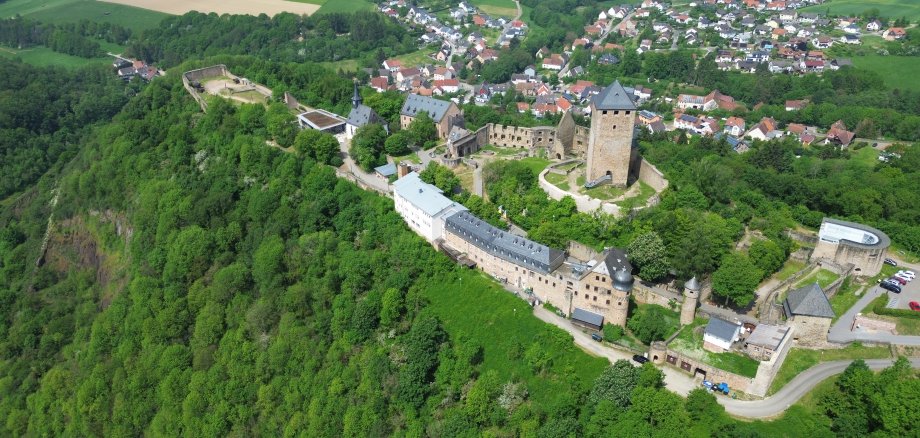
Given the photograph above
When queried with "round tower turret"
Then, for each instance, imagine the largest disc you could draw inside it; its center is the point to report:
(691, 298)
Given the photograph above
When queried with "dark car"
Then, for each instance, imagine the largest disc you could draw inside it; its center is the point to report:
(914, 306)
(639, 358)
(891, 262)
(597, 337)
(891, 286)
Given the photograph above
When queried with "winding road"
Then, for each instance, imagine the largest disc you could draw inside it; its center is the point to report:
(682, 384)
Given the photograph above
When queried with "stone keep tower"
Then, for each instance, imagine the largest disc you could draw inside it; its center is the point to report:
(610, 144)
(619, 306)
(691, 297)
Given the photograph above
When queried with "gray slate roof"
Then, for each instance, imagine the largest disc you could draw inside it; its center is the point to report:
(809, 301)
(721, 329)
(434, 107)
(504, 245)
(614, 97)
(362, 115)
(386, 170)
(425, 196)
(588, 317)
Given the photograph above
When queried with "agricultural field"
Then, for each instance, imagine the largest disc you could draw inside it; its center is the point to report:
(892, 69)
(344, 5)
(888, 8)
(245, 7)
(45, 57)
(66, 11)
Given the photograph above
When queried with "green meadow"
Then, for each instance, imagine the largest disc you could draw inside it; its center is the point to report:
(888, 8)
(66, 11)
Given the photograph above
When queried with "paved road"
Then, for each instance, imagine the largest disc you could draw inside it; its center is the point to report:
(799, 386)
(841, 333)
(680, 383)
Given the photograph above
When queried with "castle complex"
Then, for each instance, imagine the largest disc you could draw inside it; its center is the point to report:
(607, 146)
(592, 292)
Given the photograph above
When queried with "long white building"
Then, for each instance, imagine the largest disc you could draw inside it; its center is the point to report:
(423, 206)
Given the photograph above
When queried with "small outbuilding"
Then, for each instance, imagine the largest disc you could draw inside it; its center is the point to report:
(720, 335)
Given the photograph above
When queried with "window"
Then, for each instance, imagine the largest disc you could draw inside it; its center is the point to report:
(595, 288)
(595, 298)
(608, 302)
(627, 112)
(616, 112)
(605, 112)
(554, 284)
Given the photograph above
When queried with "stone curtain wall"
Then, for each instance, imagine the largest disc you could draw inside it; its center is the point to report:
(650, 175)
(199, 74)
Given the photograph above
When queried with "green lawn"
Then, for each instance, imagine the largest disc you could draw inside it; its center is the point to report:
(645, 191)
(866, 155)
(66, 11)
(823, 277)
(417, 58)
(45, 57)
(561, 181)
(888, 8)
(412, 156)
(845, 298)
(604, 192)
(344, 65)
(894, 70)
(475, 307)
(798, 360)
(345, 6)
(690, 343)
(789, 268)
(536, 164)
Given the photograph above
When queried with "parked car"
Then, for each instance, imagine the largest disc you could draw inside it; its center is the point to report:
(640, 358)
(914, 306)
(597, 337)
(910, 275)
(894, 287)
(891, 262)
(897, 280)
(902, 277)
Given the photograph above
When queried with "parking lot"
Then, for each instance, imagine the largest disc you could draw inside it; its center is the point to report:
(909, 292)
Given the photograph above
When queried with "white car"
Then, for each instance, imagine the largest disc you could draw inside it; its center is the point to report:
(903, 276)
(910, 274)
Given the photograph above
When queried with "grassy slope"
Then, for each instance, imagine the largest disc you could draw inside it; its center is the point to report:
(893, 69)
(475, 306)
(888, 8)
(799, 360)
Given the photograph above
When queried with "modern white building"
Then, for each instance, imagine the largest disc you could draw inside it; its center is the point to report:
(423, 206)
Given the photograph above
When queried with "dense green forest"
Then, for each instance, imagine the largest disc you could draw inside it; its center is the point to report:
(78, 39)
(45, 113)
(284, 37)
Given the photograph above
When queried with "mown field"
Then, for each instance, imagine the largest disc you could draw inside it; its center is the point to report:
(896, 71)
(66, 11)
(45, 57)
(342, 5)
(888, 8)
(503, 8)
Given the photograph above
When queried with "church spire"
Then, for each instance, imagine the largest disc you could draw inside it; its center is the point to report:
(356, 98)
